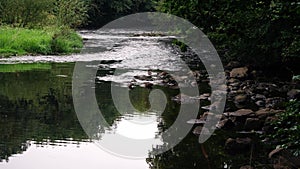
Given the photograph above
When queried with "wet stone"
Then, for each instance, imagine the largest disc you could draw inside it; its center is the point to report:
(242, 112)
(238, 145)
(253, 124)
(239, 72)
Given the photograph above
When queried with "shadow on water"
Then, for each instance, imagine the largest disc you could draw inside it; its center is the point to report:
(36, 105)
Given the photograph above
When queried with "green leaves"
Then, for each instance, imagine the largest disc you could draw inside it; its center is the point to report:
(71, 13)
(41, 13)
(104, 11)
(287, 126)
(254, 32)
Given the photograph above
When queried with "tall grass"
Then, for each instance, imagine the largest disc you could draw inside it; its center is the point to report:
(22, 41)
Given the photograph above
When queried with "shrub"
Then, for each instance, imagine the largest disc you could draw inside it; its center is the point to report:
(25, 13)
(71, 13)
(253, 32)
(20, 41)
(287, 127)
(66, 41)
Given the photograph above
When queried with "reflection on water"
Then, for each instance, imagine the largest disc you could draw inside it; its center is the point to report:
(39, 127)
(69, 155)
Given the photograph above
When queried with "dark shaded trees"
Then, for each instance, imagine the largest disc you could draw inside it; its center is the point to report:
(254, 32)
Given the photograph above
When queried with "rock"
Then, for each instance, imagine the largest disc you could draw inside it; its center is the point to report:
(284, 159)
(275, 102)
(204, 96)
(260, 97)
(263, 113)
(185, 99)
(240, 99)
(293, 94)
(196, 121)
(232, 65)
(242, 112)
(144, 78)
(267, 89)
(225, 124)
(253, 124)
(233, 80)
(239, 72)
(274, 152)
(198, 130)
(271, 119)
(214, 106)
(260, 103)
(246, 167)
(148, 85)
(235, 84)
(238, 145)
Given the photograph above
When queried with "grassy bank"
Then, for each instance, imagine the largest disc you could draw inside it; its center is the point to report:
(47, 41)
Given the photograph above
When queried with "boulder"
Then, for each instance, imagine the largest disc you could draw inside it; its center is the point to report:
(293, 94)
(253, 124)
(246, 167)
(144, 78)
(185, 99)
(241, 72)
(232, 65)
(196, 121)
(238, 145)
(263, 113)
(225, 124)
(275, 102)
(283, 158)
(242, 112)
(260, 103)
(197, 131)
(240, 99)
(233, 80)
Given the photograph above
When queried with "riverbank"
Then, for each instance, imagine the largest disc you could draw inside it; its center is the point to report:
(46, 41)
(261, 110)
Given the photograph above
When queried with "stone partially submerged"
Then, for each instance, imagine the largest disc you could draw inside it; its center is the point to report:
(242, 112)
(196, 121)
(197, 131)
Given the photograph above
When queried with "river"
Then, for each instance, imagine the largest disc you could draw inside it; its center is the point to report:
(39, 127)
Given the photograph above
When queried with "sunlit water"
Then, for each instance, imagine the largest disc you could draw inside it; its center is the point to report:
(39, 127)
(137, 55)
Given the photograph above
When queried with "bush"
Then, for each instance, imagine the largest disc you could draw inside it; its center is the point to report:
(25, 13)
(71, 13)
(21, 41)
(41, 13)
(253, 32)
(66, 41)
(287, 127)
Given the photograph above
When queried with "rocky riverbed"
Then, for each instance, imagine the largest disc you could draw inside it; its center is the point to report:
(253, 102)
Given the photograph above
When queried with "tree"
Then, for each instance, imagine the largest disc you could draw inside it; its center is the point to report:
(255, 32)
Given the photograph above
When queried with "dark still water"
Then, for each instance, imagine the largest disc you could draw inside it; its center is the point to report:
(39, 127)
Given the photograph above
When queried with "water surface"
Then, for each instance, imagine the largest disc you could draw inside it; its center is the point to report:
(39, 127)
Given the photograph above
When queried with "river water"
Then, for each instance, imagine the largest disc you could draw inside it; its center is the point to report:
(40, 129)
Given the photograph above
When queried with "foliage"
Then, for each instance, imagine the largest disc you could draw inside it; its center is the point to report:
(287, 126)
(297, 77)
(20, 41)
(24, 13)
(72, 13)
(257, 32)
(41, 13)
(66, 41)
(104, 11)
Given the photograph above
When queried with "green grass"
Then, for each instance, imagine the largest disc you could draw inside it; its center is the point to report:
(48, 41)
(10, 68)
